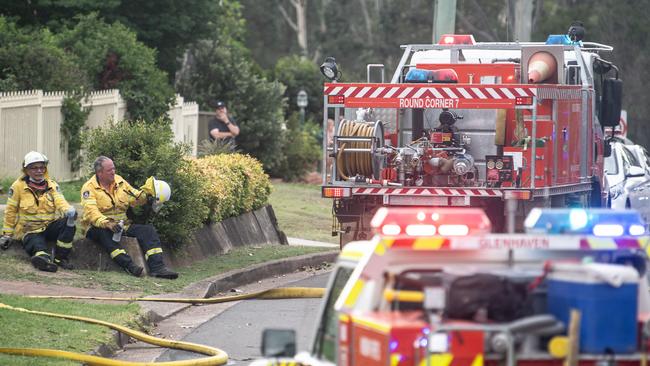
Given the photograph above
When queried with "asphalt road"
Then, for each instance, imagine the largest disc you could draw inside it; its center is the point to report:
(238, 330)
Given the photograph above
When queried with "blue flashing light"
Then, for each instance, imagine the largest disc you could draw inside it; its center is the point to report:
(578, 219)
(419, 76)
(598, 222)
(561, 39)
(416, 75)
(423, 342)
(393, 345)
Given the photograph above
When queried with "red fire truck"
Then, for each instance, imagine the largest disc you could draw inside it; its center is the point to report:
(471, 124)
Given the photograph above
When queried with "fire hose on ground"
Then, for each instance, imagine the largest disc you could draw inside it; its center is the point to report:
(215, 355)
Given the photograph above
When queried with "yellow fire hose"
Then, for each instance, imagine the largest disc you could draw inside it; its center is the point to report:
(216, 356)
(352, 163)
(276, 293)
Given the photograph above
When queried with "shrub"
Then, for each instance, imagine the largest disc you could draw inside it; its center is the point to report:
(301, 151)
(215, 147)
(74, 122)
(140, 150)
(233, 184)
(298, 73)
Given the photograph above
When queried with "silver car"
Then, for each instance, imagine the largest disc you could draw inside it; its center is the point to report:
(624, 171)
(639, 195)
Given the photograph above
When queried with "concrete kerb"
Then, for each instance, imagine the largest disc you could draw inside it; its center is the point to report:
(157, 311)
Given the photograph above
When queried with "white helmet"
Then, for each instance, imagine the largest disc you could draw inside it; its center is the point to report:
(34, 157)
(162, 193)
(162, 189)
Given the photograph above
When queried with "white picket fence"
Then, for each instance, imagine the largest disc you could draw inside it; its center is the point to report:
(31, 120)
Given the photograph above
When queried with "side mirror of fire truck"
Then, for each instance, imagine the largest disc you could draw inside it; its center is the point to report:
(279, 343)
(610, 106)
(607, 148)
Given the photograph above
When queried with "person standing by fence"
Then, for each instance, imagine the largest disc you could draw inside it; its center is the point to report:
(222, 126)
(34, 207)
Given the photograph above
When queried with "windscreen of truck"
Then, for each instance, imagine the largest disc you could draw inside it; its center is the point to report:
(327, 334)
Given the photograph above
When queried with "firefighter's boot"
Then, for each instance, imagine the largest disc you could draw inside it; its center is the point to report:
(42, 261)
(61, 253)
(127, 265)
(157, 267)
(63, 263)
(134, 270)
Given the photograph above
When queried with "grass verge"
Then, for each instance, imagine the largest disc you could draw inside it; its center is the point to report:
(27, 330)
(302, 212)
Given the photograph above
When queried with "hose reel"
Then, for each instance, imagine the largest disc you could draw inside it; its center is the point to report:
(355, 148)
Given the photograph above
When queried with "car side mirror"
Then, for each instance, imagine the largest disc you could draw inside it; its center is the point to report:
(278, 342)
(607, 148)
(634, 171)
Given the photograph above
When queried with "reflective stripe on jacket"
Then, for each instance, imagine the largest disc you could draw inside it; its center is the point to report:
(101, 205)
(28, 212)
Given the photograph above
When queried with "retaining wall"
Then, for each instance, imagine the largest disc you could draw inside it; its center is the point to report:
(258, 227)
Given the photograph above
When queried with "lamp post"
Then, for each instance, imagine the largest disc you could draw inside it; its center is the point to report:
(302, 103)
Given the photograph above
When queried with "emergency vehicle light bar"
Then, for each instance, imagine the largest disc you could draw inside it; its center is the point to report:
(447, 39)
(429, 221)
(597, 222)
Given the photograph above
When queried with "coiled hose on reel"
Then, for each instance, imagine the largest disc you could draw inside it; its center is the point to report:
(352, 163)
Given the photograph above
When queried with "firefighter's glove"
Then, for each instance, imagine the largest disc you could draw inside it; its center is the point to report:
(156, 206)
(71, 215)
(148, 187)
(5, 241)
(113, 226)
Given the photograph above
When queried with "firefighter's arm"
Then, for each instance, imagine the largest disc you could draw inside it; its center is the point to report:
(60, 202)
(136, 197)
(11, 212)
(92, 214)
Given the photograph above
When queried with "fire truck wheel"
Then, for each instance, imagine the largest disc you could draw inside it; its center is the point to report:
(577, 200)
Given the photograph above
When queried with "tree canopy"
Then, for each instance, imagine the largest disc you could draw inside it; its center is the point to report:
(165, 25)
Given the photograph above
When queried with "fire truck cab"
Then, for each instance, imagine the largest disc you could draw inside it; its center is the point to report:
(471, 124)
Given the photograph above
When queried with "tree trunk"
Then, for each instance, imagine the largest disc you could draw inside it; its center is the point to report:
(523, 20)
(299, 24)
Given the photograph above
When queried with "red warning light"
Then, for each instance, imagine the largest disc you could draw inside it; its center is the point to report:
(449, 39)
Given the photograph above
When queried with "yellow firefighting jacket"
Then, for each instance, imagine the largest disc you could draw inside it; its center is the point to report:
(27, 212)
(101, 205)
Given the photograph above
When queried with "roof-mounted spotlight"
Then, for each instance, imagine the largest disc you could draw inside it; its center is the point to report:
(330, 70)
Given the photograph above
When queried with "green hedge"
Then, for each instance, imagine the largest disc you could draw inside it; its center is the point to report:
(232, 184)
